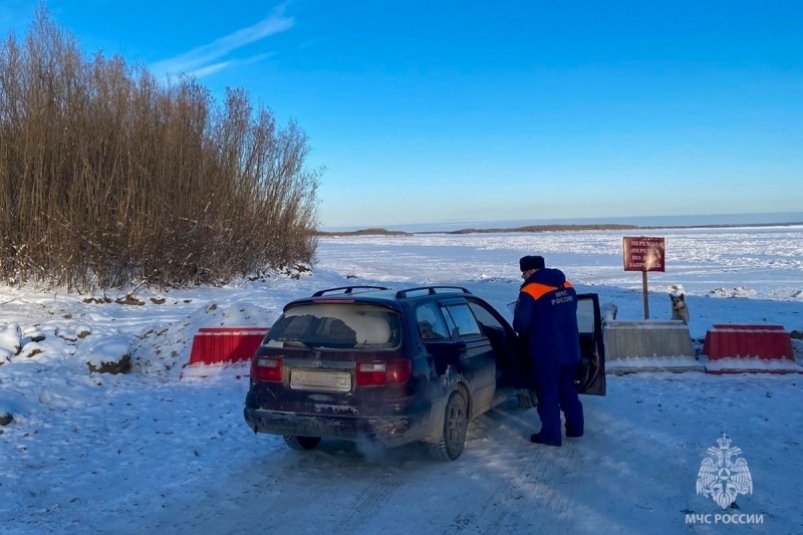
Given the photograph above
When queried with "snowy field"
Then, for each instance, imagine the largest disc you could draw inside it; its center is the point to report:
(148, 452)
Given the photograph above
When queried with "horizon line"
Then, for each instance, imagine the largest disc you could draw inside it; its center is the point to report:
(648, 221)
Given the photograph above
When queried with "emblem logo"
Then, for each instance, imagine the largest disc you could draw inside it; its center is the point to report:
(722, 475)
(316, 363)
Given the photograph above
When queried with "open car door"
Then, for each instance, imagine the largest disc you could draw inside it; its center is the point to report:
(513, 369)
(590, 376)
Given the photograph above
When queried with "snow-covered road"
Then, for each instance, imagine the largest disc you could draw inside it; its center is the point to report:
(178, 459)
(149, 453)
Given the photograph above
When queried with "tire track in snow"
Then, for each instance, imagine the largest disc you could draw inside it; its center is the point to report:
(368, 503)
(344, 488)
(507, 508)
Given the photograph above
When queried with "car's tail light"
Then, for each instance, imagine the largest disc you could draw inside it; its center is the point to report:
(383, 372)
(267, 369)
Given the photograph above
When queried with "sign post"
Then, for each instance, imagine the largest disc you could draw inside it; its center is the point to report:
(644, 254)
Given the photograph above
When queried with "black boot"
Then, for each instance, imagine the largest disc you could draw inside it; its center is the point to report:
(539, 439)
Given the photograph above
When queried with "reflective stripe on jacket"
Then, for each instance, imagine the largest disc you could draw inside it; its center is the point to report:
(546, 319)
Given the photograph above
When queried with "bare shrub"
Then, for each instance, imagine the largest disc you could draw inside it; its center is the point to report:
(107, 177)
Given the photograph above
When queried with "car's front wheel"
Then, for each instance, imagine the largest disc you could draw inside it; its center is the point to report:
(455, 425)
(301, 443)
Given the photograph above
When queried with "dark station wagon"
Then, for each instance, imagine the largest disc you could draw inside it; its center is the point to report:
(396, 366)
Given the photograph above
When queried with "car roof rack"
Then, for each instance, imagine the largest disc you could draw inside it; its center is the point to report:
(347, 289)
(401, 294)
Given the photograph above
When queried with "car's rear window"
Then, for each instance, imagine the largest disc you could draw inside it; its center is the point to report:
(345, 326)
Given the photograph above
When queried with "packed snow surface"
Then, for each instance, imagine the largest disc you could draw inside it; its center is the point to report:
(152, 452)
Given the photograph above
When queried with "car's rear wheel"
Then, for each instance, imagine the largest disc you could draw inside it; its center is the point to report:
(455, 425)
(301, 443)
(527, 398)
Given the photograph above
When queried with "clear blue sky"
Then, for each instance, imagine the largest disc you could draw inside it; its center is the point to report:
(431, 112)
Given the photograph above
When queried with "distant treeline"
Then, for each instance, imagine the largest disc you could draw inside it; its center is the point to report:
(108, 176)
(545, 228)
(528, 228)
(366, 232)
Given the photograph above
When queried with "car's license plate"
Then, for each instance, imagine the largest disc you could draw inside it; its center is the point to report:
(333, 381)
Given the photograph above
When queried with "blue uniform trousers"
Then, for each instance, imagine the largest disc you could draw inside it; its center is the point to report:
(555, 390)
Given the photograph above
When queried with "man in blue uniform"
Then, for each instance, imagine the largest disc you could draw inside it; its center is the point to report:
(546, 321)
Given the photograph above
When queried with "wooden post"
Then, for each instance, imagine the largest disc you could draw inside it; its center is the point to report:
(646, 297)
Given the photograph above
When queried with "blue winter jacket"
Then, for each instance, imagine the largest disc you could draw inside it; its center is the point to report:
(546, 319)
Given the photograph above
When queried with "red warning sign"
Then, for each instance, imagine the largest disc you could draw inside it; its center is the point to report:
(643, 253)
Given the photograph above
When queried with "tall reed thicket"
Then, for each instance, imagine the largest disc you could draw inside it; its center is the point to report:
(109, 177)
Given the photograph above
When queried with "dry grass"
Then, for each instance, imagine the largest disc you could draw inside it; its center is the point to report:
(108, 177)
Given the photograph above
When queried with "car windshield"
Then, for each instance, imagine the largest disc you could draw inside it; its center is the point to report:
(343, 326)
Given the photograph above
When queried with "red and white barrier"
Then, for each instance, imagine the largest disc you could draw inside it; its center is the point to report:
(739, 348)
(214, 348)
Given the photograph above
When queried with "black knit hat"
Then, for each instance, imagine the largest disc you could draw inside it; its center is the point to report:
(531, 262)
